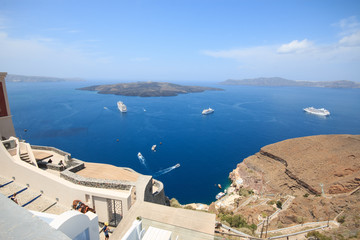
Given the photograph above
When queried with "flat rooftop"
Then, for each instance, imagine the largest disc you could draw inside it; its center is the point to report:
(107, 171)
(46, 155)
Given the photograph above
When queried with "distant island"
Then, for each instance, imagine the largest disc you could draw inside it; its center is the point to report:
(282, 82)
(147, 89)
(22, 78)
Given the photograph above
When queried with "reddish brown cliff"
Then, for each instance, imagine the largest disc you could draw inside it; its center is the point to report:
(304, 164)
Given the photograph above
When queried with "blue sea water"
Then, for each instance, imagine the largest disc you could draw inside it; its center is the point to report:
(246, 118)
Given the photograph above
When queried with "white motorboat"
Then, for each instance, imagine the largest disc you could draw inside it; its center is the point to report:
(207, 111)
(140, 156)
(153, 148)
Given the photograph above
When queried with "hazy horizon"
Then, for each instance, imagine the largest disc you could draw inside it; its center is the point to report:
(181, 40)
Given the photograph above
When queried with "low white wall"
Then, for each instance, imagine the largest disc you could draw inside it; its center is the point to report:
(134, 232)
(53, 186)
(76, 225)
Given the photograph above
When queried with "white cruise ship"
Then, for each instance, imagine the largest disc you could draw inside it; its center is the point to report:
(207, 111)
(122, 107)
(317, 111)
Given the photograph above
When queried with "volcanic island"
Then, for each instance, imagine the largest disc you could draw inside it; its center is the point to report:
(148, 89)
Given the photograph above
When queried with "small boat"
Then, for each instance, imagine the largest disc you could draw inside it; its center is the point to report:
(105, 108)
(317, 111)
(220, 195)
(121, 106)
(153, 148)
(207, 111)
(219, 185)
(177, 165)
(140, 156)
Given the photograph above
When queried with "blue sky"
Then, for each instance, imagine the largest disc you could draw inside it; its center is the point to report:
(181, 40)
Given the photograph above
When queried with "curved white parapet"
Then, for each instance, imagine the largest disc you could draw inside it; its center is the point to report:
(77, 225)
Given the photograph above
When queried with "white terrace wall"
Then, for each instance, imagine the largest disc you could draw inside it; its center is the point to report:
(55, 187)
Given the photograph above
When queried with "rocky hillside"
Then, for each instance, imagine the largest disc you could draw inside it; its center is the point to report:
(304, 165)
(315, 178)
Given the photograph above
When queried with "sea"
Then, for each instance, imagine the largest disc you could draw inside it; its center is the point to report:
(208, 147)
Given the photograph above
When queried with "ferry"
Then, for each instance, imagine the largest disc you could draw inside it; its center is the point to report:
(122, 107)
(207, 111)
(317, 111)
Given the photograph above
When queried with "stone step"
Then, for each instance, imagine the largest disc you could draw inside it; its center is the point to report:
(4, 180)
(57, 209)
(40, 204)
(26, 196)
(10, 189)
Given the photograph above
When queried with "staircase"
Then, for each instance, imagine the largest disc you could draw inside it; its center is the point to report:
(30, 199)
(25, 157)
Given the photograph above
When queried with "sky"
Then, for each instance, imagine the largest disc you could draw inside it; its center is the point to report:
(181, 40)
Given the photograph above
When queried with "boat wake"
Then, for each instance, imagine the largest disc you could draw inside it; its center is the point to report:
(141, 159)
(166, 170)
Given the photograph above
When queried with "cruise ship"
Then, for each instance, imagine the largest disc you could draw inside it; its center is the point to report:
(317, 111)
(122, 107)
(207, 111)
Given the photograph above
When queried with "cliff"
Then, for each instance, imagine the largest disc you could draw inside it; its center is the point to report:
(302, 164)
(316, 179)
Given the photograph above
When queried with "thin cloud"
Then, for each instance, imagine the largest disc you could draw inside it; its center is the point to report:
(351, 40)
(3, 23)
(45, 57)
(140, 59)
(73, 31)
(301, 59)
(348, 25)
(295, 46)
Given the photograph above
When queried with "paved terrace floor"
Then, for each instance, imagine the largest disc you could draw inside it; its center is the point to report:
(46, 155)
(106, 171)
(195, 222)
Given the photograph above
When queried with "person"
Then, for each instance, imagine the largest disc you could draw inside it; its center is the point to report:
(50, 161)
(78, 205)
(13, 197)
(106, 230)
(61, 163)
